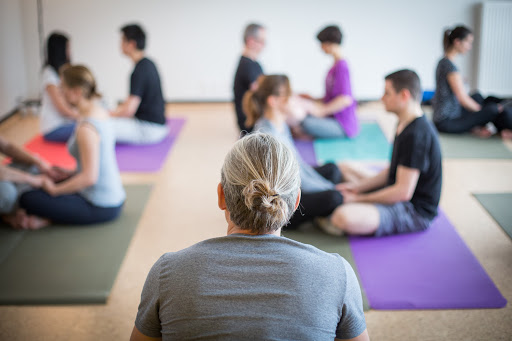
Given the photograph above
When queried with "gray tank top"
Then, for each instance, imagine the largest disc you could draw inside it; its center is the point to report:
(108, 190)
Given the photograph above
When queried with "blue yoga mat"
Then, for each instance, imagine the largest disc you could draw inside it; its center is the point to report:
(369, 145)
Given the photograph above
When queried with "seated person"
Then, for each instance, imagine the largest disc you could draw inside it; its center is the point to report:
(58, 119)
(248, 70)
(455, 111)
(94, 193)
(267, 109)
(25, 172)
(141, 118)
(403, 197)
(335, 114)
(252, 283)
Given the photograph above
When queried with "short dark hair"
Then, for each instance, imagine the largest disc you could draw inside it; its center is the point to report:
(135, 33)
(406, 79)
(251, 31)
(56, 55)
(330, 34)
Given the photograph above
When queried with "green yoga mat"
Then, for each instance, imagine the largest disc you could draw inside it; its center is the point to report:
(67, 264)
(499, 206)
(369, 145)
(467, 146)
(312, 236)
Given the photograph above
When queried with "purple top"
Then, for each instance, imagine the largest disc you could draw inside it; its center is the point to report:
(337, 83)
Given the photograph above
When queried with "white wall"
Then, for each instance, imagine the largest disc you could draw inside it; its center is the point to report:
(12, 72)
(196, 43)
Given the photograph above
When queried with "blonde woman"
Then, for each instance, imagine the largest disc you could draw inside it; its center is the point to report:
(94, 193)
(268, 108)
(252, 283)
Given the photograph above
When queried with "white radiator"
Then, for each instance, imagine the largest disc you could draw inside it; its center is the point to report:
(495, 53)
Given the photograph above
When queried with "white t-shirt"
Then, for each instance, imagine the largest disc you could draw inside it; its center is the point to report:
(51, 119)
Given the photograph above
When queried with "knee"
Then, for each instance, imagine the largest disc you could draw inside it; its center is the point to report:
(341, 219)
(8, 197)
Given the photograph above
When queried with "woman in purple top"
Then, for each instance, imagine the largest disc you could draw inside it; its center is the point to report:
(335, 115)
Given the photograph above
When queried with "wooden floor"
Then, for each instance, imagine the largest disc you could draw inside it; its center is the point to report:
(182, 210)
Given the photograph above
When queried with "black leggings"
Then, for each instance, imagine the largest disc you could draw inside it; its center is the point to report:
(469, 120)
(66, 209)
(318, 204)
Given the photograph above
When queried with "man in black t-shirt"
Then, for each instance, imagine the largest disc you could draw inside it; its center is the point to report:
(248, 69)
(140, 119)
(403, 197)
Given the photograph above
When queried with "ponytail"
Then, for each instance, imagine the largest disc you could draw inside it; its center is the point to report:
(449, 36)
(252, 107)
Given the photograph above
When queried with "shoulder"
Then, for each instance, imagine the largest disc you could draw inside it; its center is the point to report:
(447, 64)
(49, 75)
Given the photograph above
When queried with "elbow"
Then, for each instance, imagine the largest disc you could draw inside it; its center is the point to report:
(406, 195)
(90, 179)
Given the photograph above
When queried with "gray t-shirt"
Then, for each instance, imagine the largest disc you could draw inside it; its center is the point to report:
(310, 180)
(261, 287)
(444, 103)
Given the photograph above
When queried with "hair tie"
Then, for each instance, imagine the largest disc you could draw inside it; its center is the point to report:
(275, 195)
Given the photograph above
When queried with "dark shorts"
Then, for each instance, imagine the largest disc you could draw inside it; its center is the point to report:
(400, 218)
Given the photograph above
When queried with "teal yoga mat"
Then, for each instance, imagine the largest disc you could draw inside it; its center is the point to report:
(340, 245)
(499, 206)
(369, 145)
(467, 146)
(67, 264)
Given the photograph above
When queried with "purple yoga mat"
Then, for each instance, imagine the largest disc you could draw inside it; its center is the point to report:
(307, 151)
(134, 158)
(424, 270)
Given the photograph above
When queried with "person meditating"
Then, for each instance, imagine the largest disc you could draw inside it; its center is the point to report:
(252, 283)
(94, 193)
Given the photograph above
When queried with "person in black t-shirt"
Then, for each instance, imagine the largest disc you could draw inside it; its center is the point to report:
(140, 119)
(248, 69)
(403, 197)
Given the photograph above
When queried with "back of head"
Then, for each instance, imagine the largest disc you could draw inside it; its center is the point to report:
(254, 101)
(261, 182)
(134, 32)
(252, 31)
(79, 76)
(406, 79)
(450, 35)
(330, 34)
(56, 54)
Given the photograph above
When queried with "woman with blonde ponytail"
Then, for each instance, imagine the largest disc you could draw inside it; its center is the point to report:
(268, 109)
(94, 193)
(252, 283)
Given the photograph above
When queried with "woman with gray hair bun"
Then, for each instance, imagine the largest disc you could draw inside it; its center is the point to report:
(252, 283)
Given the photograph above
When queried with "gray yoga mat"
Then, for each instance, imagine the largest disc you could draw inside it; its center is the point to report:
(499, 206)
(467, 146)
(67, 264)
(340, 245)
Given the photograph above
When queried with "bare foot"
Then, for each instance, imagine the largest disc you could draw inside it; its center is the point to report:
(506, 134)
(481, 132)
(20, 220)
(35, 223)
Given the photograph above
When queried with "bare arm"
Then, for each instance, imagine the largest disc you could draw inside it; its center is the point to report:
(362, 337)
(128, 108)
(401, 190)
(60, 103)
(377, 181)
(138, 336)
(21, 156)
(17, 176)
(455, 81)
(88, 141)
(338, 103)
